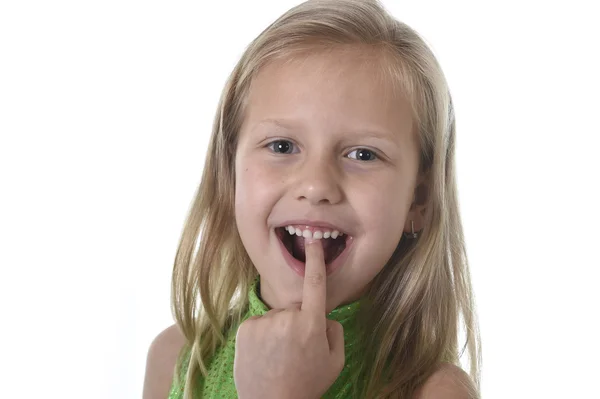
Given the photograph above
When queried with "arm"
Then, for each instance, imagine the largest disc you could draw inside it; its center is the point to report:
(161, 361)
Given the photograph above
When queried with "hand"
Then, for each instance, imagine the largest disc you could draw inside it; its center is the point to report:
(291, 353)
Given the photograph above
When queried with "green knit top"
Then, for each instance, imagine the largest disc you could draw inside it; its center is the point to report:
(219, 381)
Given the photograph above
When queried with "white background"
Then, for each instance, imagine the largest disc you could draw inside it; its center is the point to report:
(105, 112)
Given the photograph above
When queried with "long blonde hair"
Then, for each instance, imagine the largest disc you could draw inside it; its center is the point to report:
(422, 296)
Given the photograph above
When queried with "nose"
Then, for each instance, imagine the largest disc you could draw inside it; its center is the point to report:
(318, 182)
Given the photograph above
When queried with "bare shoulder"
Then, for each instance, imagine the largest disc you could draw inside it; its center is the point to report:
(161, 361)
(448, 382)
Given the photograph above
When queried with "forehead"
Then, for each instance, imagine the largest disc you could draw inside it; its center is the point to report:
(331, 90)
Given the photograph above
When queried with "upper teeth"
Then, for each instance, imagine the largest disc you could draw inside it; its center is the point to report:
(316, 235)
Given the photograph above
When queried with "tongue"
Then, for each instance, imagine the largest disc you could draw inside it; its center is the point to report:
(329, 248)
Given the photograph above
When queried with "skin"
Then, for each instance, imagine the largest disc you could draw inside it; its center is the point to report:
(325, 106)
(328, 102)
(295, 352)
(298, 353)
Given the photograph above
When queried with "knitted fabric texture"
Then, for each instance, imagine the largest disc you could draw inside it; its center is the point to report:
(219, 381)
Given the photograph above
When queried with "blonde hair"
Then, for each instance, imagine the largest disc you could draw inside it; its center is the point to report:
(421, 296)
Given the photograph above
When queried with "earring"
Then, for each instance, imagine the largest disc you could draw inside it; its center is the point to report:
(412, 234)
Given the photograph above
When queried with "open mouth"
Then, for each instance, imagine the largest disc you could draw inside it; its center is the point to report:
(333, 244)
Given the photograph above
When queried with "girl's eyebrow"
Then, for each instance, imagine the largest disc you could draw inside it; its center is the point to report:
(290, 124)
(287, 124)
(371, 133)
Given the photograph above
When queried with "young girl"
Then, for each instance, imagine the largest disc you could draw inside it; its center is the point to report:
(323, 255)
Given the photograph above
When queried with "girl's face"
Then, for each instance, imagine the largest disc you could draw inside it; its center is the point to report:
(325, 146)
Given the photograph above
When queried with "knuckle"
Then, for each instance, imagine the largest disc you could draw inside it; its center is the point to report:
(314, 326)
(242, 331)
(308, 325)
(315, 278)
(285, 323)
(337, 326)
(248, 324)
(339, 364)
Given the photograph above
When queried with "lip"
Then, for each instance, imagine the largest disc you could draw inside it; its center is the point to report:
(315, 223)
(300, 267)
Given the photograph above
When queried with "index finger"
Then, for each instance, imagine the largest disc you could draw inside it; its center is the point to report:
(314, 293)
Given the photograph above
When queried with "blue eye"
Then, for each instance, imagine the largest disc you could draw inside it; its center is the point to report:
(282, 147)
(362, 154)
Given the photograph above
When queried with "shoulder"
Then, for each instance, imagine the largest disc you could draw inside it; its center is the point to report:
(447, 382)
(160, 363)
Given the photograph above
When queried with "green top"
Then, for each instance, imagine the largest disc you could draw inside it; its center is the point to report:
(219, 382)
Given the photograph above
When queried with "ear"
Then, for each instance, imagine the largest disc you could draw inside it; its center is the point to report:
(416, 213)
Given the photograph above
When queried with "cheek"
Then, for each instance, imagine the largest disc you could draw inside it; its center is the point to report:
(254, 192)
(383, 207)
(251, 186)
